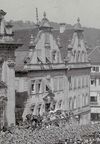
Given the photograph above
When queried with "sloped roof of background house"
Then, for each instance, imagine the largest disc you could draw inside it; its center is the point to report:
(94, 55)
(3, 84)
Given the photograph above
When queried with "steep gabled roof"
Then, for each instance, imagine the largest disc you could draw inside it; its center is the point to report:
(24, 37)
(94, 55)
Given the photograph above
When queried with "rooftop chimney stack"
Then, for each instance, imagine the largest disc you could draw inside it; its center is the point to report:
(62, 27)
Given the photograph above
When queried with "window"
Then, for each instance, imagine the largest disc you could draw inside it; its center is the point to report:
(93, 99)
(48, 87)
(70, 83)
(38, 86)
(95, 116)
(33, 86)
(93, 81)
(87, 100)
(54, 55)
(95, 69)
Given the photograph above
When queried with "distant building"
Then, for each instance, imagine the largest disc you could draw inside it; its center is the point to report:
(7, 72)
(55, 75)
(95, 84)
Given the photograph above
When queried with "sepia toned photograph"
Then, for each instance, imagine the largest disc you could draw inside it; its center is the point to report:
(49, 71)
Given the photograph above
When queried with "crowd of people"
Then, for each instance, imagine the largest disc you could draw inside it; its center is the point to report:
(58, 128)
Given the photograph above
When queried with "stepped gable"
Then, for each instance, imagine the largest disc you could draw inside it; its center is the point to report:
(94, 55)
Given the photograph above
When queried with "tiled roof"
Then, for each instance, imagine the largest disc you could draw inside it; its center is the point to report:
(24, 37)
(94, 55)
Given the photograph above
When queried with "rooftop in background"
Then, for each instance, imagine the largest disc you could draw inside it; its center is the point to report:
(94, 55)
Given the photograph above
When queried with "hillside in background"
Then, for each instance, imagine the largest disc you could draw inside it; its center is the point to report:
(92, 35)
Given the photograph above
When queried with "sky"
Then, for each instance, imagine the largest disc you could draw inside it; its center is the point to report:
(57, 10)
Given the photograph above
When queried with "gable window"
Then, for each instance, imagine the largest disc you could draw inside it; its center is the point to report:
(54, 56)
(38, 86)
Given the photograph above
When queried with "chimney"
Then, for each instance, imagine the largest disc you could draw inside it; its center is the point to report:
(62, 27)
